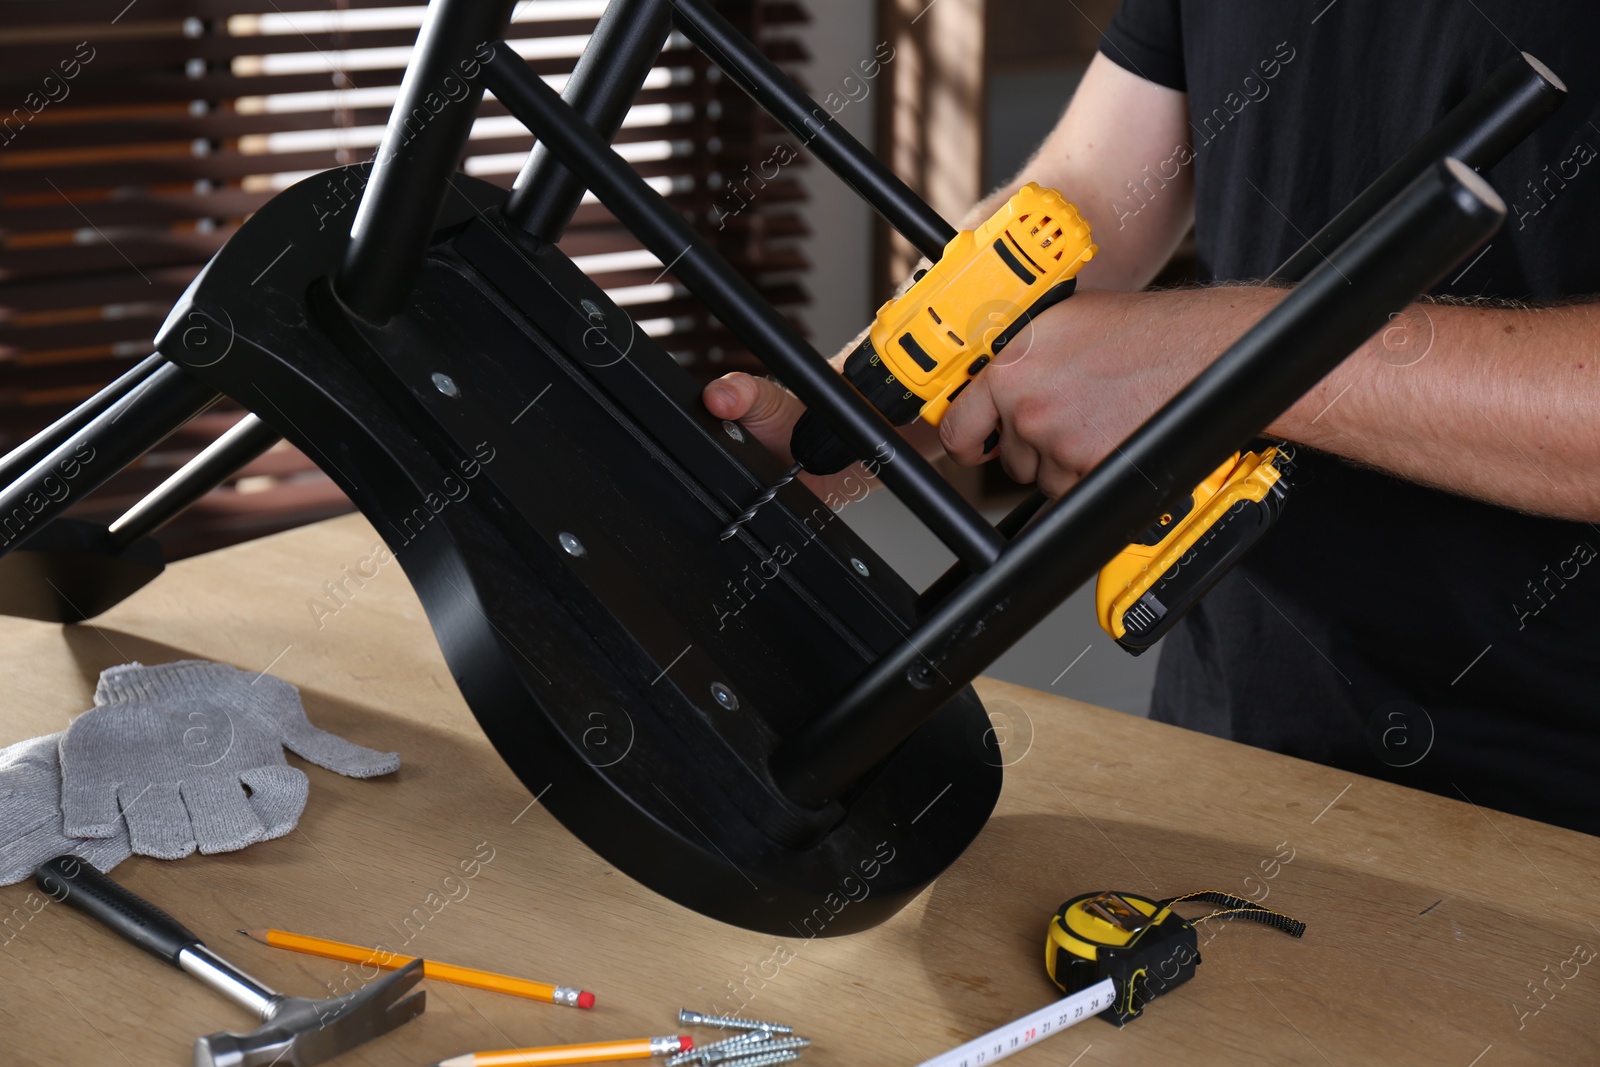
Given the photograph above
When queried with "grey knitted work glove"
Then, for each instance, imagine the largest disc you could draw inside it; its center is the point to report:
(30, 814)
(191, 755)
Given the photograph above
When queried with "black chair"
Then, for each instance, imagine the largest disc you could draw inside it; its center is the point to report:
(756, 727)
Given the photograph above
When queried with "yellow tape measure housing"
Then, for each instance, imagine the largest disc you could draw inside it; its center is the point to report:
(1141, 945)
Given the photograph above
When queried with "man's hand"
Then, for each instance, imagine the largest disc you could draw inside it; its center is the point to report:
(1064, 393)
(760, 405)
(1088, 373)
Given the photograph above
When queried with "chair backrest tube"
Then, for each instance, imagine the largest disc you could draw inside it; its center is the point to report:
(1480, 131)
(137, 422)
(732, 299)
(1009, 526)
(41, 444)
(1434, 224)
(245, 441)
(626, 42)
(816, 127)
(421, 147)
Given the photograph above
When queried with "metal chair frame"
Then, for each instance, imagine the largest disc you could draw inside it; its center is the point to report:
(742, 725)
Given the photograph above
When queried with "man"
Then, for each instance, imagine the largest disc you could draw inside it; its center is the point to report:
(1429, 608)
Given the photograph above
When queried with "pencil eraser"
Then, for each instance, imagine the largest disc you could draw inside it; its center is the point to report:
(585, 999)
(685, 1043)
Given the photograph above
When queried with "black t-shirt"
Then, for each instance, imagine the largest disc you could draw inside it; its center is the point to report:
(1387, 628)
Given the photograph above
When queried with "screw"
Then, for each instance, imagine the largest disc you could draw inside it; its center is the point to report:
(729, 1022)
(704, 1054)
(725, 698)
(733, 431)
(747, 1037)
(920, 675)
(861, 568)
(761, 1059)
(571, 545)
(731, 1055)
(446, 384)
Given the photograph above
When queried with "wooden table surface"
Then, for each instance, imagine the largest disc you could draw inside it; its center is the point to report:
(1431, 922)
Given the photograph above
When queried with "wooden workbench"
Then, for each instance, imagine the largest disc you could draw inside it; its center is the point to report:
(1429, 918)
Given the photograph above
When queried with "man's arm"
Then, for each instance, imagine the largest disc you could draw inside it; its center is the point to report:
(1116, 125)
(1500, 404)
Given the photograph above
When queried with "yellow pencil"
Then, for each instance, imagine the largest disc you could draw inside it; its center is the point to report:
(444, 972)
(552, 1055)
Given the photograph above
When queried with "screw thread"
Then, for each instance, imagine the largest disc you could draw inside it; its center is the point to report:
(750, 512)
(730, 1022)
(748, 1037)
(734, 1054)
(762, 1059)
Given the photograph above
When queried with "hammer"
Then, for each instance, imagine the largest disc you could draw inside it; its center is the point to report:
(295, 1032)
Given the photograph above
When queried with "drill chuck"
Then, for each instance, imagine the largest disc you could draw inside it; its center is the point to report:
(815, 445)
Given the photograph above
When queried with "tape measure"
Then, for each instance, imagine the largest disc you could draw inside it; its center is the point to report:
(1142, 945)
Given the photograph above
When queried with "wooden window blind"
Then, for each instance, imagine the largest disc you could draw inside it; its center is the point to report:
(136, 137)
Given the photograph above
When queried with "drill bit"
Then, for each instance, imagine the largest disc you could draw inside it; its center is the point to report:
(750, 512)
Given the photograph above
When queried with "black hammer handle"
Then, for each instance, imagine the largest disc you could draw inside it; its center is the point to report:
(74, 881)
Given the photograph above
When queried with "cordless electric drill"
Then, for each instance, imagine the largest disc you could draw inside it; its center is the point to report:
(959, 314)
(927, 345)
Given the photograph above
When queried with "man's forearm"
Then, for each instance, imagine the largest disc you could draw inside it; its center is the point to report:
(1500, 404)
(1116, 128)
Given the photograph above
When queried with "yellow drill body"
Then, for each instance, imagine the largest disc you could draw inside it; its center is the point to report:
(944, 329)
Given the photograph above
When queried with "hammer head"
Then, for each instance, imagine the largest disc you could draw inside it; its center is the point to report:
(300, 1032)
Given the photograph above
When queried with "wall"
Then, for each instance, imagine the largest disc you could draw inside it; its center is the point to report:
(842, 35)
